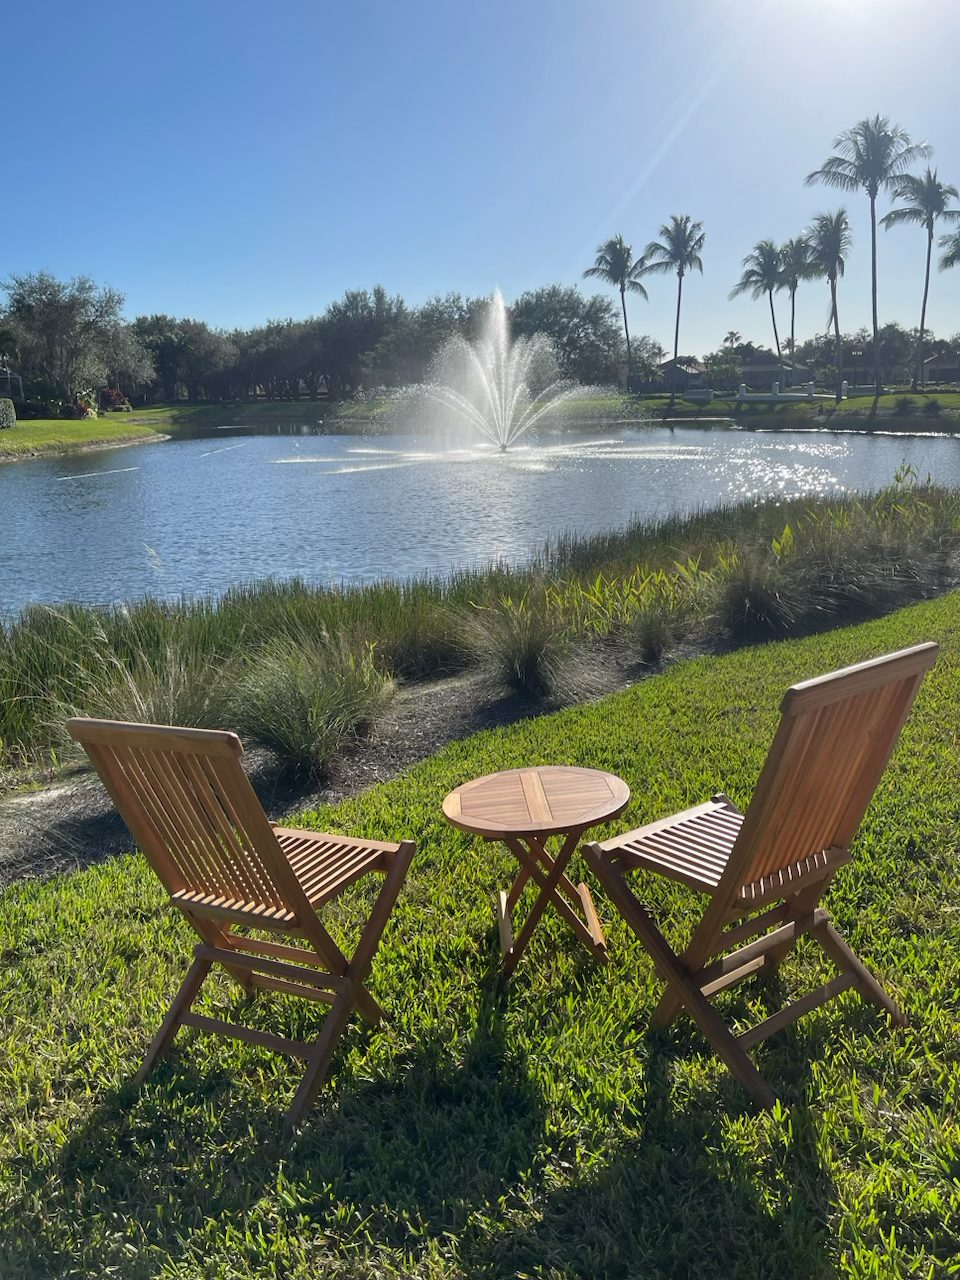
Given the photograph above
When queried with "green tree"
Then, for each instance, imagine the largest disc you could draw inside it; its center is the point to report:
(206, 357)
(723, 368)
(733, 339)
(794, 267)
(872, 156)
(585, 331)
(678, 250)
(762, 275)
(926, 201)
(617, 266)
(64, 330)
(830, 242)
(648, 356)
(161, 336)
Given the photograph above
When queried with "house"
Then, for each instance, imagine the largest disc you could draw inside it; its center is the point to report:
(761, 372)
(944, 368)
(682, 374)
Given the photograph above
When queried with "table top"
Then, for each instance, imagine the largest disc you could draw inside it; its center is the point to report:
(539, 801)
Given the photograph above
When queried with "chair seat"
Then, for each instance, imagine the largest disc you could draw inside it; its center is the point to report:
(692, 847)
(326, 864)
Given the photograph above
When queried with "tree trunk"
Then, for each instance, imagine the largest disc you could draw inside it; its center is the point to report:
(836, 337)
(873, 285)
(793, 314)
(918, 381)
(676, 341)
(773, 317)
(626, 332)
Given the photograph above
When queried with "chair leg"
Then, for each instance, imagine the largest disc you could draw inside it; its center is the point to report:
(319, 1062)
(699, 950)
(683, 986)
(352, 995)
(845, 958)
(181, 1004)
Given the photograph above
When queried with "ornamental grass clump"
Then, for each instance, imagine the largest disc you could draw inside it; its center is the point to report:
(304, 697)
(524, 643)
(755, 595)
(178, 684)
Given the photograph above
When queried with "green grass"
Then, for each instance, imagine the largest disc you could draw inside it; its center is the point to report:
(538, 1131)
(42, 435)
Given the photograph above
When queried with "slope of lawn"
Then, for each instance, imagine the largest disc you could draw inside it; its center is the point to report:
(537, 1131)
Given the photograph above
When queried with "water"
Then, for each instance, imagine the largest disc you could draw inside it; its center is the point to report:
(196, 516)
(496, 388)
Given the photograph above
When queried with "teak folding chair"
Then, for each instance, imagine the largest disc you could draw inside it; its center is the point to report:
(836, 734)
(189, 805)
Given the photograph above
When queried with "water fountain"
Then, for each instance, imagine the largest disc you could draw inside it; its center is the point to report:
(498, 386)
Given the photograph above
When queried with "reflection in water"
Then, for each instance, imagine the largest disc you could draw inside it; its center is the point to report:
(183, 517)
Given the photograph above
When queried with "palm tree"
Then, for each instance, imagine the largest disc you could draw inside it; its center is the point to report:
(733, 339)
(874, 154)
(925, 200)
(951, 251)
(678, 249)
(830, 240)
(761, 275)
(616, 265)
(794, 267)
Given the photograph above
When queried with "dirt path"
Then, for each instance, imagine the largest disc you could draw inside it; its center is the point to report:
(71, 822)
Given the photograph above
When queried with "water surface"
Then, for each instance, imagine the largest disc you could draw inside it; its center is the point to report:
(196, 516)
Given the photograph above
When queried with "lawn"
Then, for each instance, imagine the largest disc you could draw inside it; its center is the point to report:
(537, 1131)
(57, 435)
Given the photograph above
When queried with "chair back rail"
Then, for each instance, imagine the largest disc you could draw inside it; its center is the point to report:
(835, 737)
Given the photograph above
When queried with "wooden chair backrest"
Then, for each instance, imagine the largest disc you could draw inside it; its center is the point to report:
(836, 734)
(190, 807)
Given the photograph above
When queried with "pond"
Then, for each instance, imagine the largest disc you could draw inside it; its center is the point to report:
(196, 516)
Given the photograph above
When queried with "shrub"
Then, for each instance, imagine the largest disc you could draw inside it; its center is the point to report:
(303, 697)
(8, 415)
(905, 405)
(112, 398)
(178, 683)
(933, 408)
(525, 642)
(652, 630)
(755, 595)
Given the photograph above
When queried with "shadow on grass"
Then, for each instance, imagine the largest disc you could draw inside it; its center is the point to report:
(410, 1154)
(441, 1148)
(700, 1188)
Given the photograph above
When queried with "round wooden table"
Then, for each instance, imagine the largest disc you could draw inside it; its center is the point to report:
(523, 808)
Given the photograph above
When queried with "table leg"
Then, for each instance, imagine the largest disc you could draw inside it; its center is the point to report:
(593, 920)
(552, 884)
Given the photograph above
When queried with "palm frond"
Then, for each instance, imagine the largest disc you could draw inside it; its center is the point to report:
(951, 246)
(901, 217)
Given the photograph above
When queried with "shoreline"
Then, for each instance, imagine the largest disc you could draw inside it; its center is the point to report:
(162, 423)
(87, 446)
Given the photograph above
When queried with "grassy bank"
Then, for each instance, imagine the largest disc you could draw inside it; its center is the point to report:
(862, 413)
(540, 1131)
(42, 435)
(632, 595)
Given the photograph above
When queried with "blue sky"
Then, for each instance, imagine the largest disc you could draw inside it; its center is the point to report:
(237, 161)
